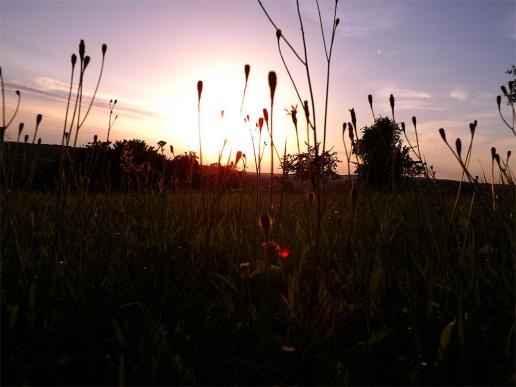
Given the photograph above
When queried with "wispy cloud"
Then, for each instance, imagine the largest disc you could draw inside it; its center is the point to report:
(459, 94)
(387, 52)
(53, 89)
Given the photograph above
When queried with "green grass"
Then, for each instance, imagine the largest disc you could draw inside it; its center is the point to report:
(147, 289)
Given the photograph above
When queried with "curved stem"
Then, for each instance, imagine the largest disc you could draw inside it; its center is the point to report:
(276, 27)
(94, 93)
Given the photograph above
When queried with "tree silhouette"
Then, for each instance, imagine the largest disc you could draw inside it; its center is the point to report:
(305, 167)
(384, 159)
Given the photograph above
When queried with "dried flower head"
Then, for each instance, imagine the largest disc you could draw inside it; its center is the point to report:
(82, 49)
(266, 116)
(104, 49)
(458, 146)
(306, 110)
(278, 34)
(199, 91)
(443, 134)
(265, 223)
(273, 80)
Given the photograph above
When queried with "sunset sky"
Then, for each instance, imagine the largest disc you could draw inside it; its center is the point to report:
(444, 61)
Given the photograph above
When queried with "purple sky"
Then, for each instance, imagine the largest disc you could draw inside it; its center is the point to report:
(443, 60)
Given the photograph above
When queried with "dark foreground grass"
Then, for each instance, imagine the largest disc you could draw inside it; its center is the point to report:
(156, 289)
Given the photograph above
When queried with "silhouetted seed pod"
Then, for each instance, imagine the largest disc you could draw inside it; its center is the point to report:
(498, 101)
(273, 80)
(199, 91)
(17, 92)
(39, 141)
(104, 49)
(82, 49)
(391, 102)
(95, 138)
(344, 125)
(351, 133)
(171, 149)
(86, 61)
(403, 126)
(337, 21)
(26, 138)
(20, 128)
(472, 127)
(237, 157)
(265, 223)
(504, 90)
(266, 116)
(370, 99)
(353, 118)
(493, 152)
(39, 117)
(508, 155)
(74, 59)
(443, 134)
(497, 158)
(278, 34)
(247, 69)
(260, 123)
(305, 108)
(414, 121)
(458, 146)
(0, 71)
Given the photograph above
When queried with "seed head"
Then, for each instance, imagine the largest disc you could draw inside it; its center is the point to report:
(414, 121)
(458, 146)
(351, 134)
(265, 223)
(504, 90)
(307, 111)
(260, 123)
(403, 127)
(273, 80)
(238, 157)
(353, 118)
(26, 138)
(104, 49)
(74, 59)
(95, 138)
(17, 92)
(493, 152)
(266, 116)
(86, 61)
(199, 91)
(498, 101)
(344, 125)
(39, 117)
(391, 102)
(278, 34)
(508, 155)
(497, 158)
(337, 21)
(370, 99)
(472, 127)
(20, 128)
(39, 141)
(443, 134)
(247, 69)
(82, 49)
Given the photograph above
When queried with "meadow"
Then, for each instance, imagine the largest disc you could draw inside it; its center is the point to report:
(156, 280)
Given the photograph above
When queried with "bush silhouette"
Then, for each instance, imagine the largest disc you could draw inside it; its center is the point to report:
(384, 159)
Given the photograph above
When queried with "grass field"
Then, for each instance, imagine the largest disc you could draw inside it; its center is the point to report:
(180, 289)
